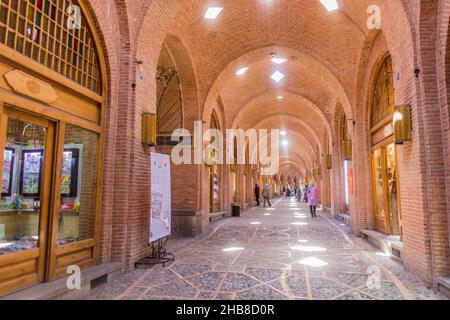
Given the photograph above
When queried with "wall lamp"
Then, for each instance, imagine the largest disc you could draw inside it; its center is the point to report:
(402, 124)
(329, 161)
(348, 150)
(149, 129)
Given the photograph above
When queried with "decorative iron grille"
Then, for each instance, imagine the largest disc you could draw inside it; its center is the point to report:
(42, 30)
(170, 102)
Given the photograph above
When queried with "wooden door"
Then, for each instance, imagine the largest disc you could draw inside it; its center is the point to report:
(385, 190)
(24, 209)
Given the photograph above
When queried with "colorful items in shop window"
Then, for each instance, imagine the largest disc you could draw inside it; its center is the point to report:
(76, 205)
(19, 245)
(16, 202)
(37, 204)
(63, 242)
(2, 232)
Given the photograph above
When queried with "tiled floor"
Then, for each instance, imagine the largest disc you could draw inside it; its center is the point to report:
(274, 254)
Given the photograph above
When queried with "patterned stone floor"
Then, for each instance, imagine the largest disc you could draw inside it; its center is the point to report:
(272, 254)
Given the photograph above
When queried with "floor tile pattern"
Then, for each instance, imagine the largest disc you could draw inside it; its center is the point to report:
(272, 254)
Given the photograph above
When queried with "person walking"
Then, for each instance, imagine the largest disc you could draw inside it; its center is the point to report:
(257, 195)
(305, 194)
(299, 194)
(313, 200)
(266, 195)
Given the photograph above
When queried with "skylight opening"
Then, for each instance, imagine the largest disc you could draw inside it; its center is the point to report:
(213, 12)
(278, 60)
(242, 71)
(330, 5)
(277, 76)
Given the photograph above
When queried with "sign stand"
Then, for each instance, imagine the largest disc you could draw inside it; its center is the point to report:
(160, 212)
(159, 256)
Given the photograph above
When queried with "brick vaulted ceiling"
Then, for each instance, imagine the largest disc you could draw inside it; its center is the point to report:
(323, 51)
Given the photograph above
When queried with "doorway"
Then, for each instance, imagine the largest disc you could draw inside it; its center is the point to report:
(214, 185)
(49, 198)
(385, 186)
(27, 169)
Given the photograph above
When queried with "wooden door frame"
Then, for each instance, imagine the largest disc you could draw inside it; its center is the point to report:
(52, 251)
(382, 145)
(40, 253)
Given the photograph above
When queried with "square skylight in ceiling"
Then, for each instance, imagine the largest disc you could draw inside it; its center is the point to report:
(277, 76)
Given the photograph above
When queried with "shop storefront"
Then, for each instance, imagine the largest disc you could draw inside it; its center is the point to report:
(51, 111)
(214, 176)
(387, 218)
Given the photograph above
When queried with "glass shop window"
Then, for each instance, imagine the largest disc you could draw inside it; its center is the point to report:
(20, 210)
(78, 186)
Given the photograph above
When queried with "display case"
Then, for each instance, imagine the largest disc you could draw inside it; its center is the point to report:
(8, 170)
(69, 178)
(31, 172)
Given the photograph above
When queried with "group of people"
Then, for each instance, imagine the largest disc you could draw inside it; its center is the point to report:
(307, 194)
(265, 194)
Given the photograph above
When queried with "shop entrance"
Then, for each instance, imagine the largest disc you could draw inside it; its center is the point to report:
(49, 198)
(385, 184)
(214, 189)
(387, 216)
(52, 107)
(28, 144)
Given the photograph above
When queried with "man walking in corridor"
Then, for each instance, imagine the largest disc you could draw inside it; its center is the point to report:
(257, 194)
(266, 195)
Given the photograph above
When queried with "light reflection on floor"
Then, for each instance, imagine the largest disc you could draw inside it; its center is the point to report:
(313, 262)
(233, 249)
(299, 223)
(308, 248)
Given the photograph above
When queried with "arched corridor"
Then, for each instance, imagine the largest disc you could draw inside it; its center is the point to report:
(130, 129)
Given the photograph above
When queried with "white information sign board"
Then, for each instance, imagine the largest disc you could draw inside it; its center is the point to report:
(161, 211)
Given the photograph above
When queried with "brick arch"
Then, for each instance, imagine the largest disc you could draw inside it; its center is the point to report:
(259, 58)
(298, 142)
(197, 195)
(298, 154)
(362, 207)
(153, 18)
(268, 97)
(186, 72)
(298, 164)
(297, 121)
(219, 109)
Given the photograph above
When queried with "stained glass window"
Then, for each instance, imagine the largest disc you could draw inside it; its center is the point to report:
(44, 31)
(383, 94)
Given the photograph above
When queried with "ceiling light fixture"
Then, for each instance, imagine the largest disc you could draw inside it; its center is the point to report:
(277, 76)
(213, 12)
(242, 71)
(283, 133)
(280, 98)
(330, 5)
